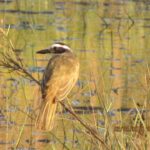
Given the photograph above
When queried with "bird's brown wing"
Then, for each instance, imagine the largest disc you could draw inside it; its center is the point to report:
(48, 74)
(60, 77)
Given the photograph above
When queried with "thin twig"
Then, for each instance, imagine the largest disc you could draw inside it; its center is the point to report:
(85, 125)
(13, 65)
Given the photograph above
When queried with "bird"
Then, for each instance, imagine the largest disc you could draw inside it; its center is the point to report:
(59, 78)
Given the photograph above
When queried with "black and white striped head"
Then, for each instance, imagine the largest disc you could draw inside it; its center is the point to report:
(56, 48)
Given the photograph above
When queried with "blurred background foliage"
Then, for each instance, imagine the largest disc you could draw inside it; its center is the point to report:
(111, 39)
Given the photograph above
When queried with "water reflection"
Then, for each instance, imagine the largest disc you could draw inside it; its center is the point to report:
(111, 40)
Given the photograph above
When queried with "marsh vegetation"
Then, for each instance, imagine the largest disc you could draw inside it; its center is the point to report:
(109, 106)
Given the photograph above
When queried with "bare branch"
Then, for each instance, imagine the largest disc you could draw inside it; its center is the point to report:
(88, 127)
(15, 65)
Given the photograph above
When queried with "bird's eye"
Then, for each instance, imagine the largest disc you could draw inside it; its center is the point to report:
(55, 48)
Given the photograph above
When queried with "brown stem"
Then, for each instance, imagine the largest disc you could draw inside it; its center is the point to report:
(85, 125)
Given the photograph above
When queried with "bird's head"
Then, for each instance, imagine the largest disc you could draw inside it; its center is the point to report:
(56, 48)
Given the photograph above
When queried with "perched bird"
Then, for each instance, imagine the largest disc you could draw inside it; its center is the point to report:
(59, 78)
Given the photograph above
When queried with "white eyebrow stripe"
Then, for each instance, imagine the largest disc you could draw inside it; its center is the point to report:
(59, 45)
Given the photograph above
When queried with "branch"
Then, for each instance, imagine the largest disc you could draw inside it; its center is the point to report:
(15, 65)
(90, 129)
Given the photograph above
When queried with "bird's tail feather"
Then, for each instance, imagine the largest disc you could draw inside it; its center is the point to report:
(45, 119)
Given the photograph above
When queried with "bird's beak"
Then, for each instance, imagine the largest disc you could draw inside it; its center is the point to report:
(43, 51)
